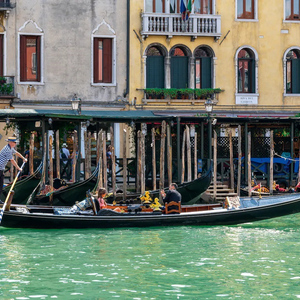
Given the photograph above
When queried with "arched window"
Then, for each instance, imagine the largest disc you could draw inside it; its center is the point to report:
(203, 7)
(293, 72)
(179, 68)
(246, 71)
(155, 68)
(203, 68)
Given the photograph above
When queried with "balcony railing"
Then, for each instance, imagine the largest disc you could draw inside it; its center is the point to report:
(7, 86)
(6, 4)
(172, 24)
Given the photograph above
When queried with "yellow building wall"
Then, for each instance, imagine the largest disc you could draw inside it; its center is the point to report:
(263, 35)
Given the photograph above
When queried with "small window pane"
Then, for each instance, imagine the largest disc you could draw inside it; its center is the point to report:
(149, 6)
(198, 74)
(100, 62)
(240, 9)
(159, 6)
(296, 7)
(153, 51)
(31, 50)
(174, 6)
(288, 11)
(177, 52)
(288, 77)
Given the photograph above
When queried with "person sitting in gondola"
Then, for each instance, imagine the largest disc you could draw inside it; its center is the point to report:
(101, 204)
(172, 194)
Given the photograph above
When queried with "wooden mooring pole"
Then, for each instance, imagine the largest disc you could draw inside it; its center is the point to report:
(57, 156)
(31, 150)
(215, 166)
(249, 165)
(271, 162)
(125, 162)
(169, 154)
(231, 160)
(188, 154)
(104, 160)
(113, 161)
(153, 159)
(183, 157)
(50, 168)
(162, 155)
(238, 186)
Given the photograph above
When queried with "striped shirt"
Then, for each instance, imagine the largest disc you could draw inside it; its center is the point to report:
(6, 154)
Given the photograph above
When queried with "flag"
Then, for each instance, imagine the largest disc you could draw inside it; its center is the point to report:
(183, 10)
(189, 8)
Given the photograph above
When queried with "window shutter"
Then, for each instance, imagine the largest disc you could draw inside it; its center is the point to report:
(107, 60)
(38, 58)
(179, 72)
(155, 74)
(251, 75)
(295, 76)
(96, 60)
(206, 72)
(1, 55)
(23, 64)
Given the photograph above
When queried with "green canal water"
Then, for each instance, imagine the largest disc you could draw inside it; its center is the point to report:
(251, 261)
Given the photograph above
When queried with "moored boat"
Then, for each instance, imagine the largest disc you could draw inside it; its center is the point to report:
(239, 211)
(23, 187)
(190, 191)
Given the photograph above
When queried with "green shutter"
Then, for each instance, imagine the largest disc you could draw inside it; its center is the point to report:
(206, 73)
(251, 75)
(155, 75)
(179, 72)
(295, 76)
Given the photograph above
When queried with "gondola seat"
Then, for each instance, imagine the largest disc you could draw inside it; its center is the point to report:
(173, 207)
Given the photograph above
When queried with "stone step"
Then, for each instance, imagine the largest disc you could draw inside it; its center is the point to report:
(210, 189)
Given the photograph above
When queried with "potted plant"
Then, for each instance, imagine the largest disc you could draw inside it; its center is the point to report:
(171, 93)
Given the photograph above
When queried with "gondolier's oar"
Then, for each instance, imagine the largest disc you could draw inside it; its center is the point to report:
(11, 188)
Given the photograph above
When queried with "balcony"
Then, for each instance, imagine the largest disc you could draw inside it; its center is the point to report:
(7, 86)
(173, 25)
(6, 6)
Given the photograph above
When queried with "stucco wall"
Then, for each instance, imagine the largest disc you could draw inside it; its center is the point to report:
(67, 28)
(263, 35)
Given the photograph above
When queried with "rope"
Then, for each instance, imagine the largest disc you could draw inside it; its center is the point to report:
(285, 158)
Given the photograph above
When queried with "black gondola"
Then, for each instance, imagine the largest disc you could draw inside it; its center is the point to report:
(23, 187)
(248, 210)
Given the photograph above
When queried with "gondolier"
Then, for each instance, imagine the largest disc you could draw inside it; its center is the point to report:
(6, 154)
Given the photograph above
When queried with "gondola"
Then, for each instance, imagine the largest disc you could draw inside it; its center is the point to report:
(64, 197)
(23, 187)
(243, 211)
(190, 191)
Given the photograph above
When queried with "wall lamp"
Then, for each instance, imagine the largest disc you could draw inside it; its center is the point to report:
(76, 104)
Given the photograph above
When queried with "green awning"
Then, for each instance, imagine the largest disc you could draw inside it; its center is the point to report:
(103, 115)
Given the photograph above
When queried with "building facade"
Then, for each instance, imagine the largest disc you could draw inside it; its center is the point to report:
(54, 50)
(243, 47)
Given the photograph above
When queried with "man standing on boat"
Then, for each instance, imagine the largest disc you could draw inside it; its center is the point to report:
(172, 194)
(6, 154)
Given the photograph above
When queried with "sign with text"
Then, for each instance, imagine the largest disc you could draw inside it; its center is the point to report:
(246, 100)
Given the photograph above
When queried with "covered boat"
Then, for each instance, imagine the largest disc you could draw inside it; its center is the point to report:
(237, 212)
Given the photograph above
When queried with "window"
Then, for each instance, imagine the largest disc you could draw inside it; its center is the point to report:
(203, 7)
(245, 9)
(156, 6)
(293, 72)
(174, 6)
(246, 71)
(292, 8)
(102, 60)
(203, 68)
(1, 54)
(179, 68)
(155, 68)
(30, 58)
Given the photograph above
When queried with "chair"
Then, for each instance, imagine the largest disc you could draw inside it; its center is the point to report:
(173, 207)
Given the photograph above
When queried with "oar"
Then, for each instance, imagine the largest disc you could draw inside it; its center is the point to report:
(8, 195)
